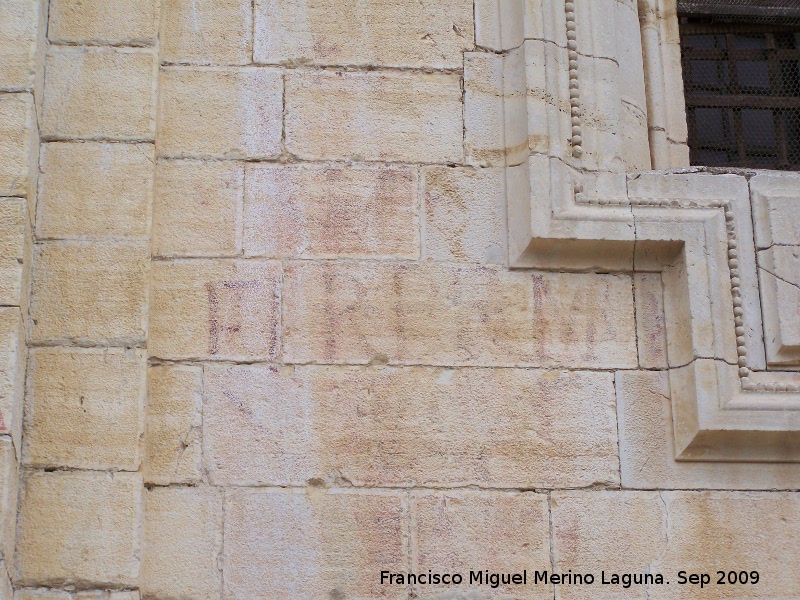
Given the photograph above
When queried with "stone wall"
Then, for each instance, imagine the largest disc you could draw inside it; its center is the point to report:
(273, 344)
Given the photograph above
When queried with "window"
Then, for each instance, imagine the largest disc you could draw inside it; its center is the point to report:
(741, 70)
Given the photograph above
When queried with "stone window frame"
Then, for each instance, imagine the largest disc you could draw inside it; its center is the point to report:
(575, 205)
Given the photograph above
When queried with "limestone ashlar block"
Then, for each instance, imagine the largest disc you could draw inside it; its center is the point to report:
(380, 116)
(198, 208)
(651, 332)
(12, 372)
(19, 23)
(219, 310)
(12, 250)
(99, 93)
(448, 315)
(391, 33)
(206, 32)
(330, 211)
(220, 113)
(607, 531)
(342, 540)
(411, 426)
(667, 532)
(17, 142)
(79, 528)
(173, 425)
(106, 22)
(463, 532)
(85, 408)
(464, 215)
(647, 447)
(89, 292)
(182, 543)
(94, 190)
(9, 480)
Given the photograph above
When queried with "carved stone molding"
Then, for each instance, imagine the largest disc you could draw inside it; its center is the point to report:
(581, 197)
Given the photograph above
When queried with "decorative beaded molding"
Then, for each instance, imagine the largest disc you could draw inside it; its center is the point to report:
(600, 213)
(574, 83)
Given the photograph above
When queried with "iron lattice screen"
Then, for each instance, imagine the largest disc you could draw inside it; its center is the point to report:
(741, 70)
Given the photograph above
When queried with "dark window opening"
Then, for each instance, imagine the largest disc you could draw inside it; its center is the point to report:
(741, 71)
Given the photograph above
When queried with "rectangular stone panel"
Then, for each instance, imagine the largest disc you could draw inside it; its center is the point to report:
(94, 190)
(17, 142)
(467, 531)
(12, 250)
(409, 427)
(329, 211)
(84, 408)
(12, 372)
(220, 113)
(384, 116)
(182, 543)
(456, 315)
(106, 22)
(311, 544)
(390, 33)
(206, 32)
(173, 425)
(99, 93)
(19, 23)
(465, 215)
(668, 532)
(9, 480)
(89, 292)
(215, 309)
(79, 528)
(198, 208)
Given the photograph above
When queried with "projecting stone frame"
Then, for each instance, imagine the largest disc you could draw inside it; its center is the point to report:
(597, 179)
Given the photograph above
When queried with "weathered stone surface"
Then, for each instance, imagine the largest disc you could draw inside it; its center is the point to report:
(647, 448)
(342, 540)
(651, 333)
(389, 116)
(173, 425)
(224, 309)
(635, 532)
(79, 527)
(94, 190)
(464, 215)
(456, 315)
(222, 113)
(315, 211)
(17, 129)
(411, 426)
(607, 531)
(198, 208)
(84, 408)
(182, 543)
(12, 372)
(733, 531)
(460, 532)
(780, 266)
(19, 20)
(9, 479)
(12, 250)
(99, 93)
(54, 594)
(6, 590)
(89, 291)
(393, 33)
(484, 118)
(206, 32)
(110, 22)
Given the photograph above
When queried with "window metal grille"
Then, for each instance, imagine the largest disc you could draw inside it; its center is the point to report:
(741, 70)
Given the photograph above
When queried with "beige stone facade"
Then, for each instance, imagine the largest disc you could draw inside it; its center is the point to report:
(293, 292)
